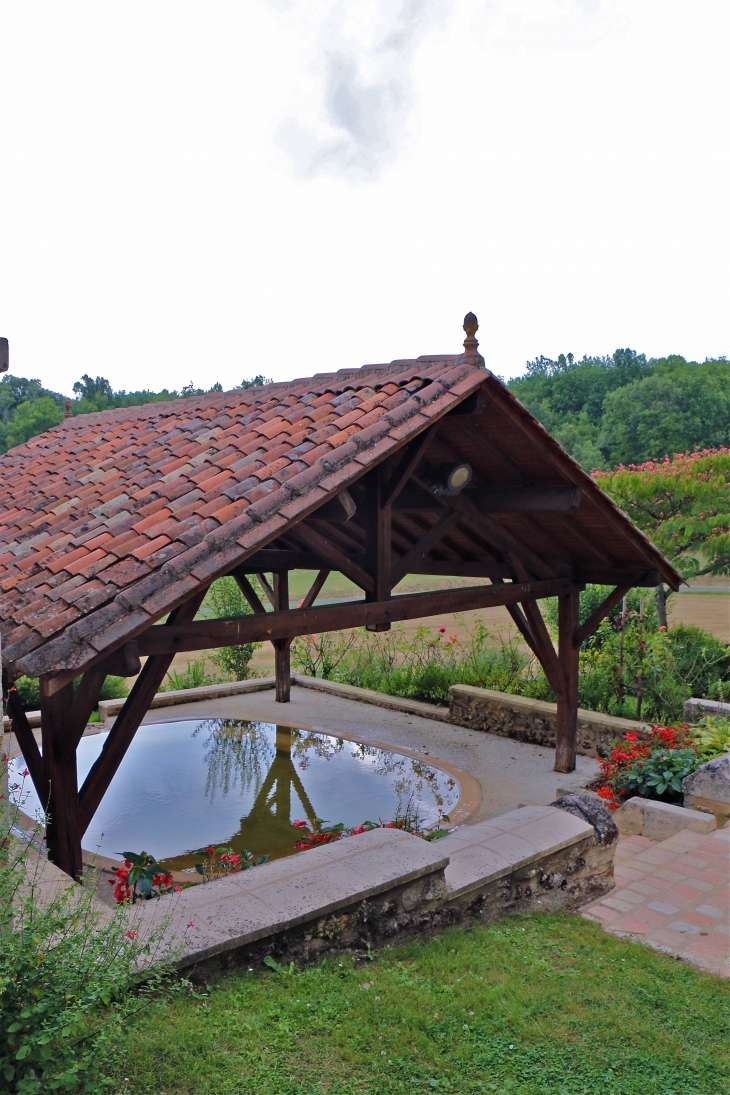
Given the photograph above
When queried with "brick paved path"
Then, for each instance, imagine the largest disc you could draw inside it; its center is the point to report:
(674, 895)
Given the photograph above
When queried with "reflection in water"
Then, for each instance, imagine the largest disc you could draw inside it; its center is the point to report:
(231, 782)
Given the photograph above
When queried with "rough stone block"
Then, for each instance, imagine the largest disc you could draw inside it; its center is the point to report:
(708, 788)
(660, 820)
(695, 708)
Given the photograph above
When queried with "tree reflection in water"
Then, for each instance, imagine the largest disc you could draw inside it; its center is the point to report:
(266, 761)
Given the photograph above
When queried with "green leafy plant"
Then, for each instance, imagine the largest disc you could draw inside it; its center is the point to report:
(660, 775)
(425, 664)
(194, 676)
(74, 976)
(712, 737)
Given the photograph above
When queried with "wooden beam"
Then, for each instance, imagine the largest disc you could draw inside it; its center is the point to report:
(493, 500)
(487, 568)
(424, 545)
(268, 590)
(282, 656)
(124, 662)
(249, 593)
(269, 559)
(315, 589)
(171, 638)
(586, 629)
(567, 716)
(26, 740)
(495, 535)
(334, 557)
(63, 828)
(135, 708)
(616, 576)
(413, 455)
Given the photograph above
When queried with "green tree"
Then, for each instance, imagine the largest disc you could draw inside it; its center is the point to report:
(31, 419)
(672, 411)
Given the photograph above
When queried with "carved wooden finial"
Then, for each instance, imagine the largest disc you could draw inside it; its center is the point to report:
(471, 326)
(68, 409)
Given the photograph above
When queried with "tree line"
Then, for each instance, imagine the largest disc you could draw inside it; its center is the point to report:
(627, 408)
(27, 408)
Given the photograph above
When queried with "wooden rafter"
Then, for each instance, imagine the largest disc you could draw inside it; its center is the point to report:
(328, 551)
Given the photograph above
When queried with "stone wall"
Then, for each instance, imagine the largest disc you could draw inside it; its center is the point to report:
(384, 885)
(532, 720)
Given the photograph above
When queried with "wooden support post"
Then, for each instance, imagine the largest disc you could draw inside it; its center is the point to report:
(61, 799)
(568, 651)
(378, 540)
(282, 656)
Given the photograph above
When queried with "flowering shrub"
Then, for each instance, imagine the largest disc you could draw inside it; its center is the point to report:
(140, 877)
(218, 862)
(422, 665)
(648, 763)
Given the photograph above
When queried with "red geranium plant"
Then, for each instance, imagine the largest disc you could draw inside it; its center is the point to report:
(220, 861)
(649, 763)
(141, 876)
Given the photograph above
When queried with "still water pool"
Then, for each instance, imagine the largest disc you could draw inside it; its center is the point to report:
(183, 785)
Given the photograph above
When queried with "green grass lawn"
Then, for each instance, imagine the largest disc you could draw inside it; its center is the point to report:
(544, 1005)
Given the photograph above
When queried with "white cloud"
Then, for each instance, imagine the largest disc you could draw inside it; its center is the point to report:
(362, 87)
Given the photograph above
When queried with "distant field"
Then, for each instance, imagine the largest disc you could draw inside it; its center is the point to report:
(710, 611)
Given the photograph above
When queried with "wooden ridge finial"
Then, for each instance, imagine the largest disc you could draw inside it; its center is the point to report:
(471, 326)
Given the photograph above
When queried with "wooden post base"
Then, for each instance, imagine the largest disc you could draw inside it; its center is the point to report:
(569, 647)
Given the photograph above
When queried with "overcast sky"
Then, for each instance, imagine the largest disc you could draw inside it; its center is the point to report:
(209, 191)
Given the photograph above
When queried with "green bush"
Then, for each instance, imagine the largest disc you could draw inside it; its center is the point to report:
(225, 599)
(70, 977)
(639, 672)
(113, 688)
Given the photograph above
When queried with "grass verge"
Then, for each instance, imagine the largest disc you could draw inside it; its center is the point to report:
(543, 1005)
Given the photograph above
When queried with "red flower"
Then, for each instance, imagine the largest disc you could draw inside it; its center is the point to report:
(442, 630)
(129, 935)
(210, 850)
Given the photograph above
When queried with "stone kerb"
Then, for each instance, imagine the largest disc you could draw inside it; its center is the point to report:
(531, 720)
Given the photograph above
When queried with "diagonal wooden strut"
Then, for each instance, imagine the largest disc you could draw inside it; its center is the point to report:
(424, 545)
(331, 554)
(603, 609)
(26, 740)
(127, 723)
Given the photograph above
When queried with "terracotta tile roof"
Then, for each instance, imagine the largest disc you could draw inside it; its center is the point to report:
(109, 520)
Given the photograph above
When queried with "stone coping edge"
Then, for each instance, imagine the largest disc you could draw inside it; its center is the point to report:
(378, 699)
(110, 708)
